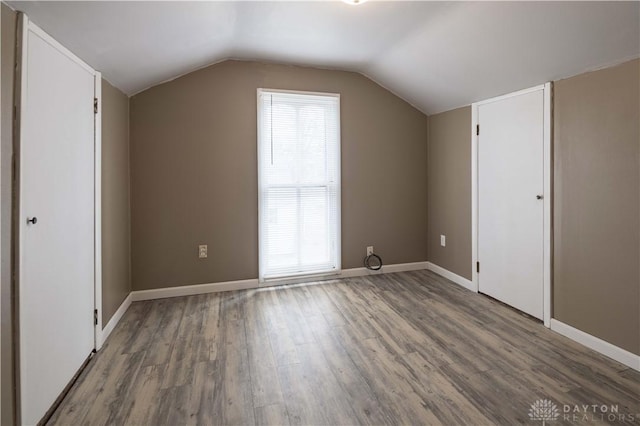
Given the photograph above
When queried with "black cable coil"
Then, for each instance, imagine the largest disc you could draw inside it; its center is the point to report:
(367, 262)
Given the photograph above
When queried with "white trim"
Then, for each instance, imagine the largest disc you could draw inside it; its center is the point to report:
(339, 187)
(97, 194)
(548, 200)
(259, 167)
(190, 290)
(299, 92)
(547, 194)
(474, 198)
(115, 319)
(623, 356)
(462, 281)
(386, 269)
(511, 95)
(20, 102)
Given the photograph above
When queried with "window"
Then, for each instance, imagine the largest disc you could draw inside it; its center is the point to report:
(299, 183)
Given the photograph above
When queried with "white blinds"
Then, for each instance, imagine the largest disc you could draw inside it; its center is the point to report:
(299, 178)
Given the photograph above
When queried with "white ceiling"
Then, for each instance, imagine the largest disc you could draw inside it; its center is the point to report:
(436, 55)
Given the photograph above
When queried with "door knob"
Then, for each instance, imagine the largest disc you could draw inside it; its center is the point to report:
(32, 221)
(539, 197)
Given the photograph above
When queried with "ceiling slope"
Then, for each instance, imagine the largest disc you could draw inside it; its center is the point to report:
(435, 55)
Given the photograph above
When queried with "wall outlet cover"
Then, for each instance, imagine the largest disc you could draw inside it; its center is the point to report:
(202, 251)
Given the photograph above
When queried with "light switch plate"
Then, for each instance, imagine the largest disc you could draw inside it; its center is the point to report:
(443, 240)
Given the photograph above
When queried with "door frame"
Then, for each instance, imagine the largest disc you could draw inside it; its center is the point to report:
(547, 192)
(24, 26)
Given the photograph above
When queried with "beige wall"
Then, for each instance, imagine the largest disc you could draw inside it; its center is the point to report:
(9, 23)
(194, 172)
(449, 190)
(116, 255)
(597, 205)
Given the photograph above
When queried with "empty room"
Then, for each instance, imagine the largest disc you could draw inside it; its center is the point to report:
(331, 212)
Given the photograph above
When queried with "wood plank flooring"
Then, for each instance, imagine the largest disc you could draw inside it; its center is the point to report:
(404, 348)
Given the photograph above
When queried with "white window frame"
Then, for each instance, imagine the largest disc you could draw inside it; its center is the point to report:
(303, 276)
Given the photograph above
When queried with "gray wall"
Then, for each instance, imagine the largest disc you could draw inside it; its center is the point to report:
(194, 172)
(597, 205)
(7, 58)
(116, 254)
(449, 191)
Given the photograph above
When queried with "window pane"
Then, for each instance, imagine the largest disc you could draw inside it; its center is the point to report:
(313, 144)
(314, 245)
(281, 228)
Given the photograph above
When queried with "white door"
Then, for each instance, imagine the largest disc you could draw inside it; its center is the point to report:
(56, 221)
(510, 200)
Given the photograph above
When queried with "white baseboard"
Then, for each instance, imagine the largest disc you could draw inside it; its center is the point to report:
(605, 348)
(189, 290)
(386, 269)
(115, 319)
(451, 276)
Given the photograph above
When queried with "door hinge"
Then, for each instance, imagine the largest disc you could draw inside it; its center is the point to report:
(477, 130)
(95, 105)
(95, 317)
(478, 267)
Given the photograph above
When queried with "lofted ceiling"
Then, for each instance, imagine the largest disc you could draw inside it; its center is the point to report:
(435, 55)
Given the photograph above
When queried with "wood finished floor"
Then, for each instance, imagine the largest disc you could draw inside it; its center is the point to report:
(404, 348)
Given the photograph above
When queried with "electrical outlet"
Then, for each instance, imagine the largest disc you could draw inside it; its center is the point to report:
(369, 250)
(443, 240)
(202, 251)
